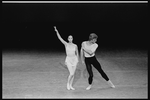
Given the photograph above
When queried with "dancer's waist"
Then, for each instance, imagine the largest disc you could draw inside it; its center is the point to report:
(90, 57)
(71, 56)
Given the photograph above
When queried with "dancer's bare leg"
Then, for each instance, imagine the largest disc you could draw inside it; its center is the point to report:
(70, 78)
(68, 83)
(71, 81)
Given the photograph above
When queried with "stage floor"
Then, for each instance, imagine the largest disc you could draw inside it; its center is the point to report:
(37, 75)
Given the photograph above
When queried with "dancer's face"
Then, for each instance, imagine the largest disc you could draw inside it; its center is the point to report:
(70, 38)
(93, 41)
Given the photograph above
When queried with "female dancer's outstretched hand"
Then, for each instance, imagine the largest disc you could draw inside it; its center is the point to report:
(83, 62)
(55, 28)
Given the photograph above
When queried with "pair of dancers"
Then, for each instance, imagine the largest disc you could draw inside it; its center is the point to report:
(88, 58)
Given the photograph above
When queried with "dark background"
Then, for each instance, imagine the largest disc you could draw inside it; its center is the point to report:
(30, 26)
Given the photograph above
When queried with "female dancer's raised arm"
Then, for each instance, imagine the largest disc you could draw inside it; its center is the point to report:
(59, 37)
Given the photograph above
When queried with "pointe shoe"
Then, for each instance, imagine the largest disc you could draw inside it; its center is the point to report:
(68, 87)
(111, 84)
(72, 88)
(89, 87)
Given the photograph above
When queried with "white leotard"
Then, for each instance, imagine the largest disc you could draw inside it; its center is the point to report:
(71, 59)
(70, 49)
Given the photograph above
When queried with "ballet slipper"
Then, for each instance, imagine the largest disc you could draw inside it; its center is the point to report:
(68, 87)
(89, 87)
(111, 84)
(72, 88)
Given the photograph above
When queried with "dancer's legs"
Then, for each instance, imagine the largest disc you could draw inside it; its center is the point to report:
(68, 83)
(71, 82)
(71, 77)
(89, 69)
(97, 65)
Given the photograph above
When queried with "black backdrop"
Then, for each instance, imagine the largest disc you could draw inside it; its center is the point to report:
(30, 26)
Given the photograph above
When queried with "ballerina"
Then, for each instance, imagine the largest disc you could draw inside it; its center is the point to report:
(71, 58)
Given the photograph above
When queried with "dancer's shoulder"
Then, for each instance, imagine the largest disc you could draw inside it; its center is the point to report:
(96, 44)
(84, 42)
(75, 45)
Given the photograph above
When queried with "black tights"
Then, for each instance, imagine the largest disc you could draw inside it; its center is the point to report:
(93, 61)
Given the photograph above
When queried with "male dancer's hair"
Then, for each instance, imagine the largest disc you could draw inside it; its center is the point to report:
(93, 36)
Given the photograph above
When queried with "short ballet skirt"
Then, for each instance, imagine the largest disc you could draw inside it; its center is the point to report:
(71, 61)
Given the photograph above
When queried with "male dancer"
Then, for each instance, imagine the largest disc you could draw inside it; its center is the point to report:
(88, 49)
